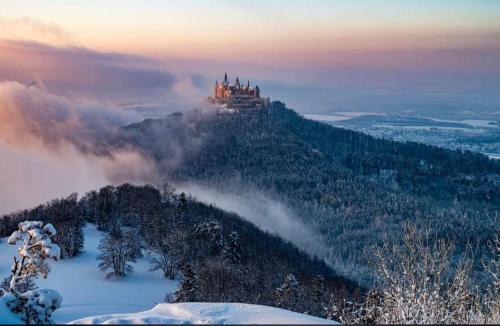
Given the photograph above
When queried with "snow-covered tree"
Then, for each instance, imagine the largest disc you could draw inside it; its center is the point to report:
(288, 293)
(188, 287)
(35, 306)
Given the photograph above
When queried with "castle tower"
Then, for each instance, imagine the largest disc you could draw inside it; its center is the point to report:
(257, 91)
(225, 79)
(237, 81)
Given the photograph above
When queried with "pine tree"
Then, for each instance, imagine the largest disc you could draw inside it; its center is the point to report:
(187, 291)
(288, 293)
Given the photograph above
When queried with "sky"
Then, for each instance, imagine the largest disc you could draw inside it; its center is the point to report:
(249, 29)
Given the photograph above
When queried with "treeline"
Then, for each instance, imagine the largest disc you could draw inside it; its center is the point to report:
(219, 256)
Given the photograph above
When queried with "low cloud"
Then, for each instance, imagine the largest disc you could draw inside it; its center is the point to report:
(51, 145)
(61, 107)
(263, 211)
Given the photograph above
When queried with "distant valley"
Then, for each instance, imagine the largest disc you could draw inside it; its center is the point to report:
(478, 134)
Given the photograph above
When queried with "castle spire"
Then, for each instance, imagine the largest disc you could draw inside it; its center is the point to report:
(237, 81)
(225, 78)
(248, 83)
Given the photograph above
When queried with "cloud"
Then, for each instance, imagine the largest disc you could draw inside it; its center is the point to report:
(29, 28)
(51, 145)
(60, 109)
(135, 82)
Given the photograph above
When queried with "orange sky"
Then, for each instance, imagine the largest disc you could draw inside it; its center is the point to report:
(272, 32)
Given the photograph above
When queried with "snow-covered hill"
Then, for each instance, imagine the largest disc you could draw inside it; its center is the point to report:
(85, 289)
(207, 313)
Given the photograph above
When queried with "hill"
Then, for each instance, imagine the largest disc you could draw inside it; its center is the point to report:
(216, 255)
(348, 187)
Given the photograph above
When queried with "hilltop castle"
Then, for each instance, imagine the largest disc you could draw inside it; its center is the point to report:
(236, 97)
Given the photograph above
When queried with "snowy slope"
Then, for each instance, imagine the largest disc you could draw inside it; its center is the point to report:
(86, 291)
(207, 313)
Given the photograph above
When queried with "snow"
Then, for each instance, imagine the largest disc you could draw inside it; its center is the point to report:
(43, 302)
(338, 116)
(50, 229)
(6, 316)
(86, 291)
(207, 313)
(493, 156)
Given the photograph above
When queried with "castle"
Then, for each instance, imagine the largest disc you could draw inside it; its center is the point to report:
(236, 97)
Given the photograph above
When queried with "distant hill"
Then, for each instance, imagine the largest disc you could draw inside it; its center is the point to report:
(350, 188)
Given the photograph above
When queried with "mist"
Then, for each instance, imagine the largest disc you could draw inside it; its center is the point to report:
(51, 146)
(263, 211)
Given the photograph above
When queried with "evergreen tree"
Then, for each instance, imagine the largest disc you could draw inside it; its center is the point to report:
(187, 291)
(288, 293)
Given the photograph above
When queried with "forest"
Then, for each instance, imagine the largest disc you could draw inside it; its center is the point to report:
(351, 188)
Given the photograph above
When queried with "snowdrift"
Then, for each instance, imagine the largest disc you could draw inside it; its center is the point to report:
(207, 313)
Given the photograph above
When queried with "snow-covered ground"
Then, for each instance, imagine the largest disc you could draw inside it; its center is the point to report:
(137, 298)
(85, 289)
(208, 313)
(337, 116)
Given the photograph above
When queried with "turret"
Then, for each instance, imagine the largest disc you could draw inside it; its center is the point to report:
(257, 91)
(225, 79)
(248, 84)
(237, 81)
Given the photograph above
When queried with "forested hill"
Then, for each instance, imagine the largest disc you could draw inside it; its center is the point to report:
(349, 187)
(419, 167)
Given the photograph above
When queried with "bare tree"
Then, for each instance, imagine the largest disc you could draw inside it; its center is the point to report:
(117, 250)
(165, 253)
(417, 284)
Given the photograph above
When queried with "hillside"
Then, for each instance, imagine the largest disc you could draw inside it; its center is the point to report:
(86, 292)
(348, 187)
(220, 256)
